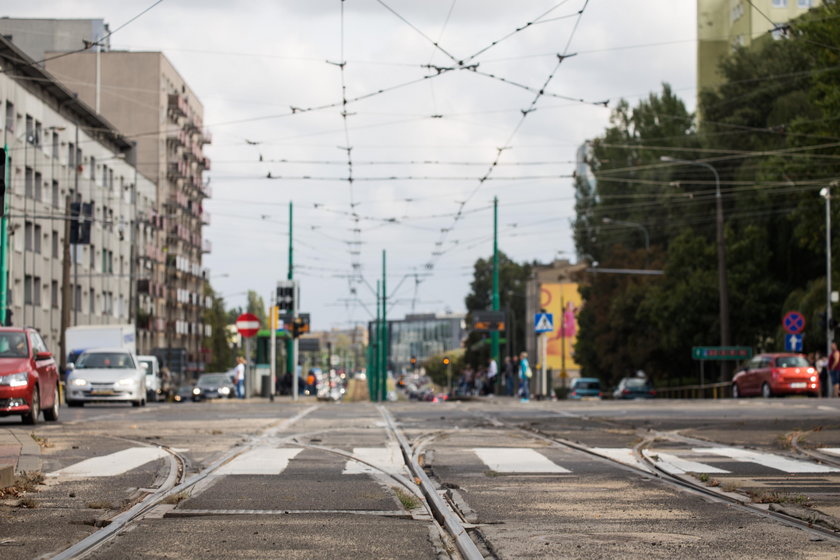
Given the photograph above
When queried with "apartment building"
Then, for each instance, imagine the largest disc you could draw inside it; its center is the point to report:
(723, 25)
(60, 152)
(148, 100)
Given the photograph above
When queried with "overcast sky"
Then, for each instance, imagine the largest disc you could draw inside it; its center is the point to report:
(270, 76)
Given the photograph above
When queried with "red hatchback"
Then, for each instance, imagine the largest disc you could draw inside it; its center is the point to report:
(771, 375)
(28, 376)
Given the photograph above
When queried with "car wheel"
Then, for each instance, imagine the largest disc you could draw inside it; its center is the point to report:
(152, 396)
(736, 392)
(135, 403)
(34, 408)
(765, 391)
(51, 413)
(142, 402)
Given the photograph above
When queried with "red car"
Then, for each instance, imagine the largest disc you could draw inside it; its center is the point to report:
(772, 375)
(28, 376)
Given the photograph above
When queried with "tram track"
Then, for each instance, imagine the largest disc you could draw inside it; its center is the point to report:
(173, 485)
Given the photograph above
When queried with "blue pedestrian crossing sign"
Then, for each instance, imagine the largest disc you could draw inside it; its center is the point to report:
(543, 322)
(793, 342)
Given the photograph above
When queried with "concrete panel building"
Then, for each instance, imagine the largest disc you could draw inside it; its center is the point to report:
(36, 37)
(723, 25)
(60, 151)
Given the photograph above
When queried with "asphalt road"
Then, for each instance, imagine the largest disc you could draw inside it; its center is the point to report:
(253, 479)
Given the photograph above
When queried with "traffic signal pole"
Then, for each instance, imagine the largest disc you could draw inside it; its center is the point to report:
(383, 372)
(4, 239)
(291, 343)
(494, 335)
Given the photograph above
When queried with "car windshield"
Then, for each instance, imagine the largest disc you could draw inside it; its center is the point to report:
(106, 360)
(637, 383)
(213, 379)
(13, 345)
(791, 361)
(587, 384)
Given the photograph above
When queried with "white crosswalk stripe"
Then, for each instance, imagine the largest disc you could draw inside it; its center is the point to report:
(388, 459)
(620, 454)
(770, 460)
(263, 460)
(516, 460)
(113, 464)
(831, 450)
(672, 464)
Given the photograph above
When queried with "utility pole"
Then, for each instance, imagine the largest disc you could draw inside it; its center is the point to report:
(383, 377)
(291, 344)
(4, 240)
(374, 386)
(494, 335)
(65, 286)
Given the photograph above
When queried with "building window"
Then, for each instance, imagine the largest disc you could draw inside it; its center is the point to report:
(92, 168)
(10, 116)
(71, 154)
(780, 3)
(54, 244)
(36, 241)
(804, 3)
(92, 302)
(77, 298)
(27, 289)
(27, 236)
(30, 129)
(55, 194)
(39, 180)
(55, 145)
(27, 182)
(36, 291)
(54, 294)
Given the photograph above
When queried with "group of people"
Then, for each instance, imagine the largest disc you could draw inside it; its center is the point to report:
(515, 378)
(829, 370)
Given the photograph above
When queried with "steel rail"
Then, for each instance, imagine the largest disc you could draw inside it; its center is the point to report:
(118, 523)
(441, 512)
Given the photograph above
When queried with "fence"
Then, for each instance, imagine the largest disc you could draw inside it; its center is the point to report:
(707, 391)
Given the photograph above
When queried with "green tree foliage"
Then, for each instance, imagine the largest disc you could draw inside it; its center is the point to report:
(221, 357)
(512, 279)
(770, 133)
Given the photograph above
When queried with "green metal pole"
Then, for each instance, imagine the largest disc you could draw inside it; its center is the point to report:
(494, 335)
(4, 240)
(384, 338)
(290, 342)
(377, 349)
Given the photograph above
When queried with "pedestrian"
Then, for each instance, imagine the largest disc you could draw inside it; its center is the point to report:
(239, 377)
(511, 367)
(834, 370)
(524, 377)
(492, 372)
(821, 365)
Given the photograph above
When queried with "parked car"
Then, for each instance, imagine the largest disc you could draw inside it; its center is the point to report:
(29, 378)
(183, 393)
(213, 386)
(106, 375)
(634, 388)
(772, 375)
(585, 388)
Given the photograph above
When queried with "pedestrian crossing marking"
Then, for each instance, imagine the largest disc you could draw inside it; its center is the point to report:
(516, 460)
(262, 460)
(770, 460)
(620, 454)
(672, 464)
(831, 450)
(388, 459)
(112, 464)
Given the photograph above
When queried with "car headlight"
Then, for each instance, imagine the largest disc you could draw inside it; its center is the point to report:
(127, 382)
(79, 382)
(224, 390)
(15, 379)
(196, 391)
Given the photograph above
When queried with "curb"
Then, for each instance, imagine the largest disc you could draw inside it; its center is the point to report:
(28, 457)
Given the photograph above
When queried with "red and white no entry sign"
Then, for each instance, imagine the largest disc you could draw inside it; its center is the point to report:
(247, 324)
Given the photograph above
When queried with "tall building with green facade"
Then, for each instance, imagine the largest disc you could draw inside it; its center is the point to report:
(723, 25)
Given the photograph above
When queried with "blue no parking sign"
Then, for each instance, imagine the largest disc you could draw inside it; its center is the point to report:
(793, 322)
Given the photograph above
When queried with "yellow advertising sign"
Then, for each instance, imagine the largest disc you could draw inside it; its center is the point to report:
(564, 302)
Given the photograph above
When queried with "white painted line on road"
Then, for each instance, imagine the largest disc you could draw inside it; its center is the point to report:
(113, 464)
(262, 460)
(828, 408)
(517, 460)
(620, 454)
(388, 459)
(672, 464)
(770, 460)
(830, 450)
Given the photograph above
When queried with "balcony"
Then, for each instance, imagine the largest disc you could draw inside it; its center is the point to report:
(206, 246)
(205, 217)
(176, 137)
(177, 105)
(206, 163)
(206, 137)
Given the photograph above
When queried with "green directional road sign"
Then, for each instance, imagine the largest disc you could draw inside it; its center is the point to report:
(721, 352)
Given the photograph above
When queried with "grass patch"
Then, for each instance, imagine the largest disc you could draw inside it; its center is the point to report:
(770, 497)
(703, 477)
(729, 486)
(408, 501)
(492, 474)
(176, 499)
(42, 441)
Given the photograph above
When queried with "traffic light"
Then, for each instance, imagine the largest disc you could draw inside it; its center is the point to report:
(286, 296)
(446, 361)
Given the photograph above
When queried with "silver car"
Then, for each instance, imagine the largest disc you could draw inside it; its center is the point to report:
(106, 375)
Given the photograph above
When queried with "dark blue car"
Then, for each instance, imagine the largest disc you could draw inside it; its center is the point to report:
(585, 388)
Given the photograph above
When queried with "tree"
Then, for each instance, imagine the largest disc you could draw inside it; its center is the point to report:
(220, 347)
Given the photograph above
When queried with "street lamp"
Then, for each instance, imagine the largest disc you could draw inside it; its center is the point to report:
(631, 224)
(723, 289)
(825, 192)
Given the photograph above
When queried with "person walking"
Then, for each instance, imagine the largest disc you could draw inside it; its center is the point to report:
(834, 370)
(524, 377)
(492, 373)
(239, 377)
